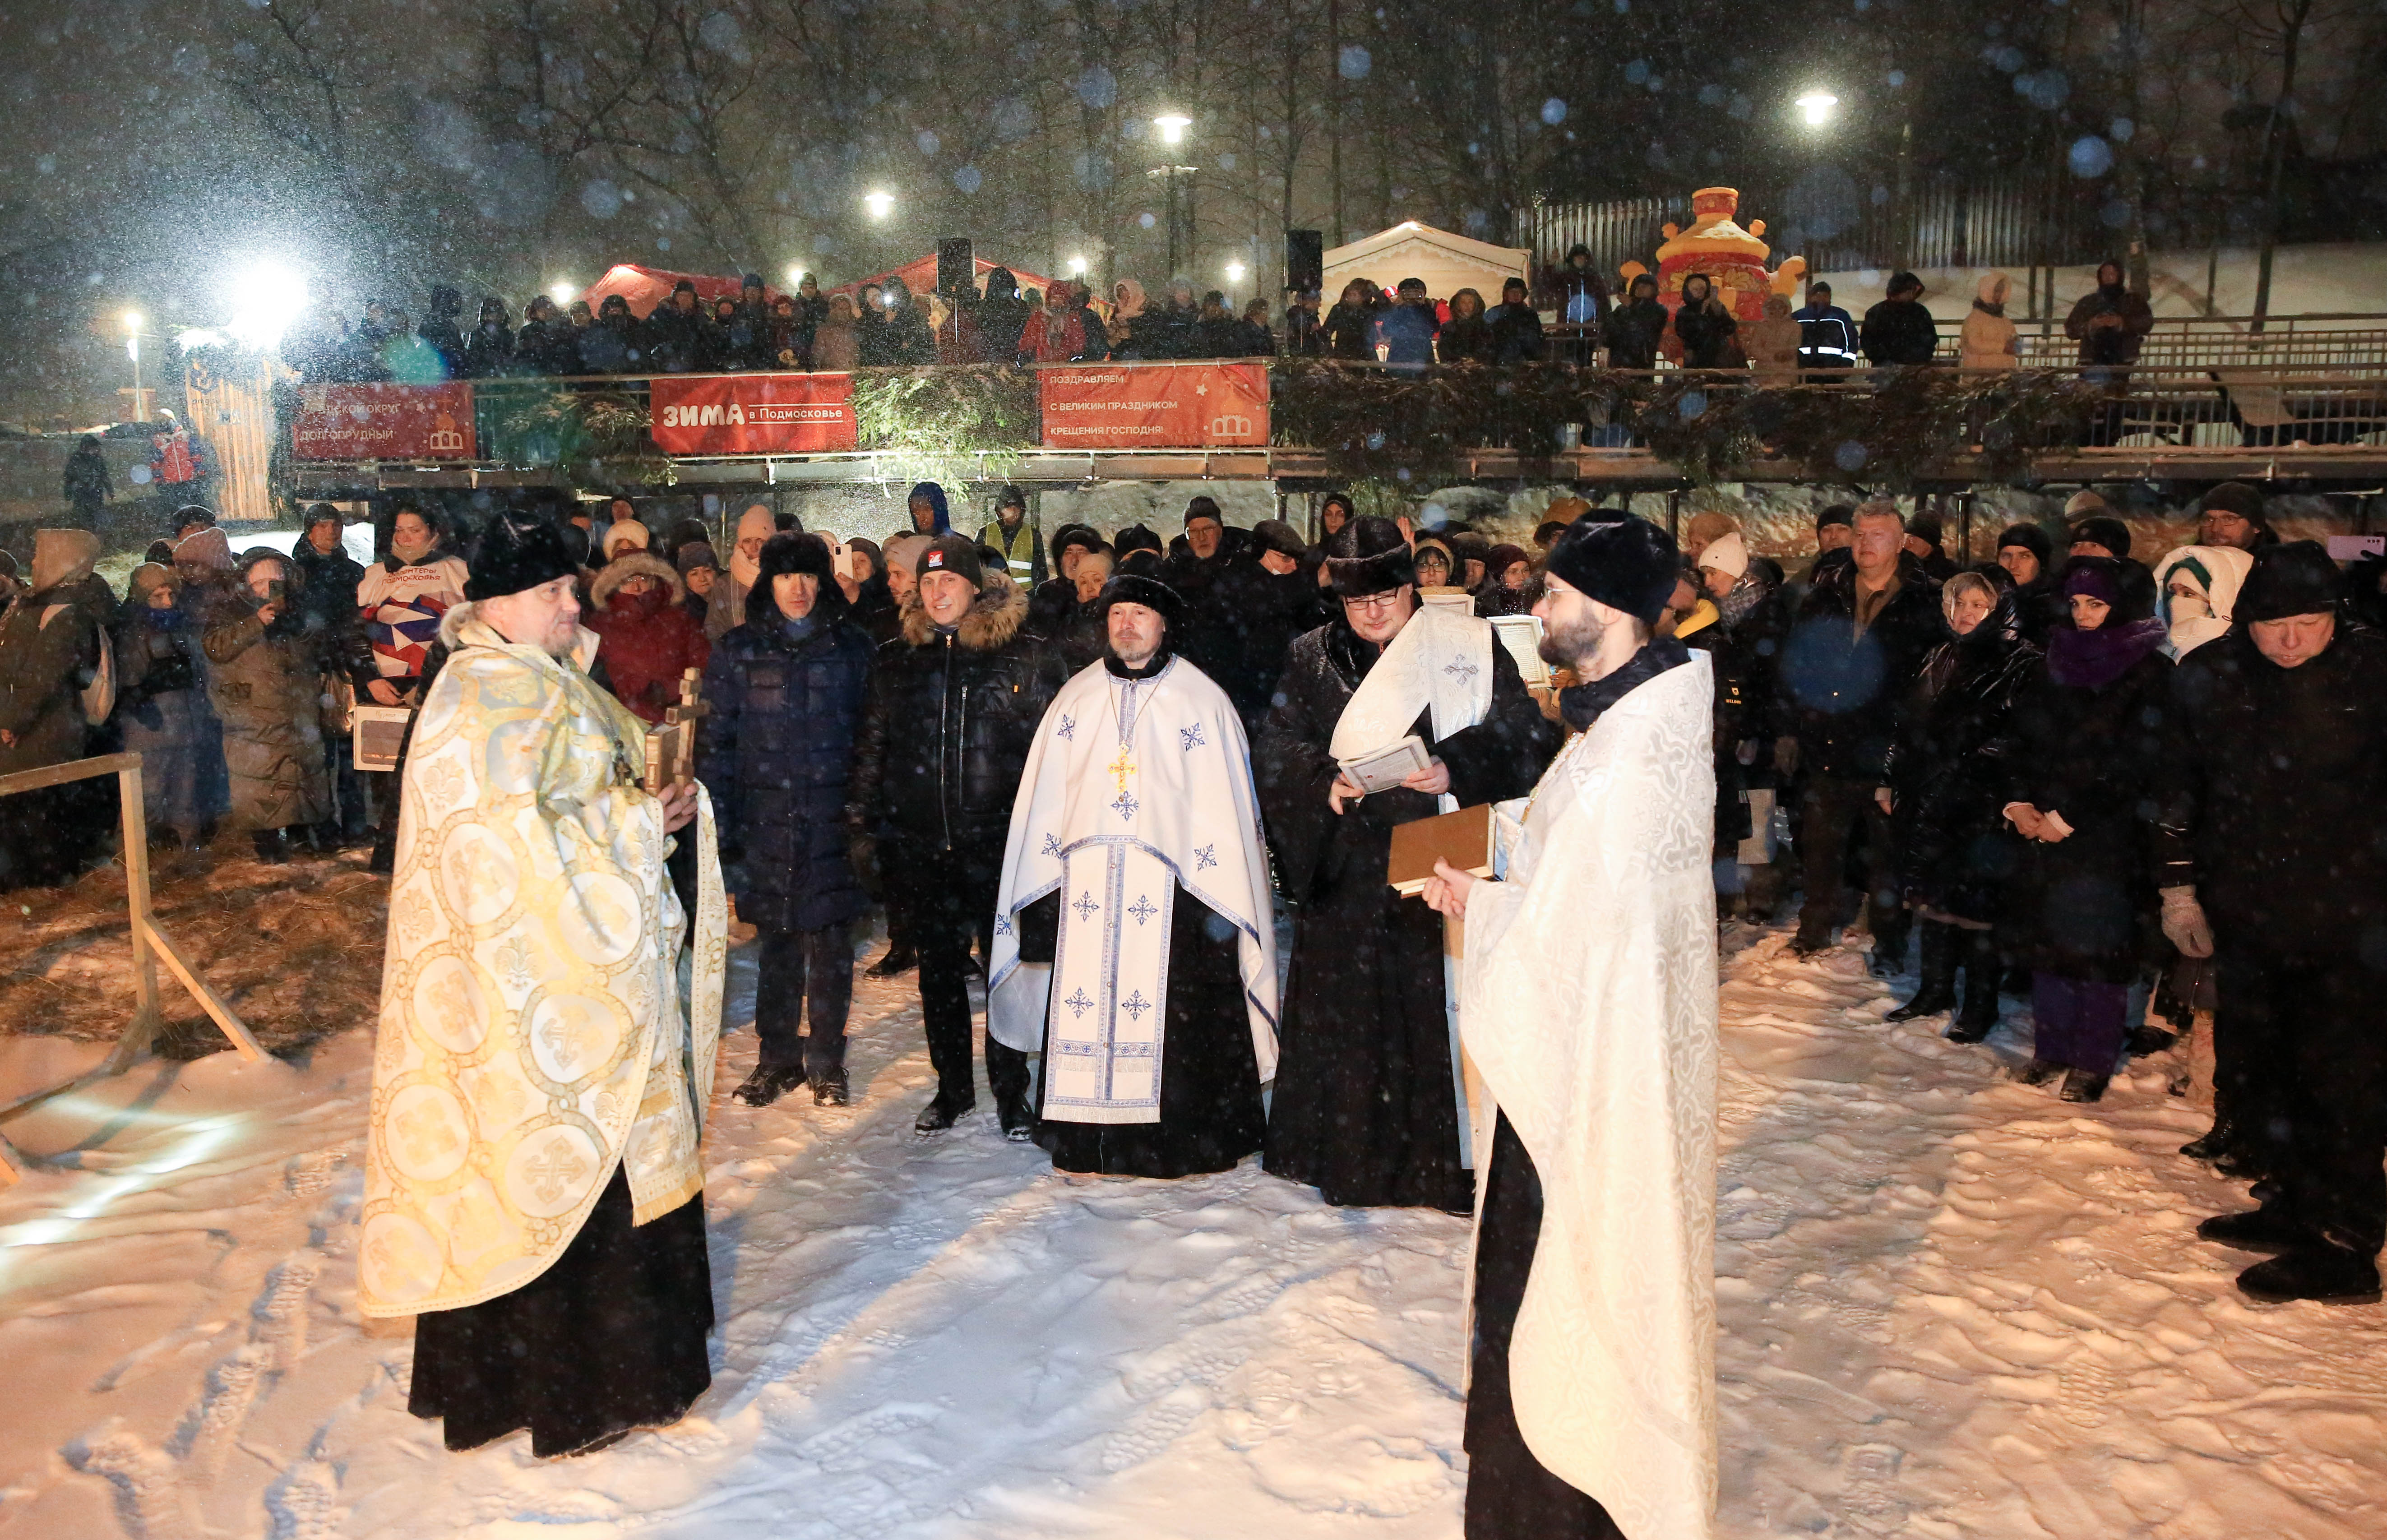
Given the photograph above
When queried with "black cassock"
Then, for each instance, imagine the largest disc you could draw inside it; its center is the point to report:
(1210, 1111)
(610, 1338)
(1366, 1108)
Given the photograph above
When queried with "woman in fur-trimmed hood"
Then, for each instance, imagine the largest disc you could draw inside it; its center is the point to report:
(636, 605)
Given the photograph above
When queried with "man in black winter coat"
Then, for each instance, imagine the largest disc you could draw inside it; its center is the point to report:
(785, 692)
(1899, 330)
(1635, 327)
(952, 711)
(326, 606)
(1855, 646)
(1267, 597)
(2270, 846)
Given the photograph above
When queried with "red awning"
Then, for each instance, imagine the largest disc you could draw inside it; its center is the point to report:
(646, 287)
(921, 276)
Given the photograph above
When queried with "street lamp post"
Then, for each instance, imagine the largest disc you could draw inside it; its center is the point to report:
(1172, 127)
(137, 398)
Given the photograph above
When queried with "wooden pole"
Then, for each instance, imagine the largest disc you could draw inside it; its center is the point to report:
(142, 1029)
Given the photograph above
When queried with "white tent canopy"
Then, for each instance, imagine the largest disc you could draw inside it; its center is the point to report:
(1446, 262)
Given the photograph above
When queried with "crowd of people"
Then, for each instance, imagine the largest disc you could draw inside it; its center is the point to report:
(883, 324)
(2132, 794)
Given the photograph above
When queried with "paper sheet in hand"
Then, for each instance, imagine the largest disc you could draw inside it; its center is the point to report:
(1387, 767)
(1459, 600)
(1522, 635)
(1463, 839)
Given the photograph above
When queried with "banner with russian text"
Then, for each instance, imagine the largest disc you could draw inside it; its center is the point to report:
(752, 414)
(384, 422)
(1152, 406)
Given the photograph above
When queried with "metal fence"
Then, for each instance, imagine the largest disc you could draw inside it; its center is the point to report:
(1944, 222)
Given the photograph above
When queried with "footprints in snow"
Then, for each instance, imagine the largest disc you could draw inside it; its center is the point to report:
(158, 1489)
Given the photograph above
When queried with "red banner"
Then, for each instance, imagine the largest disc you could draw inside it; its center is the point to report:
(753, 414)
(384, 422)
(1152, 406)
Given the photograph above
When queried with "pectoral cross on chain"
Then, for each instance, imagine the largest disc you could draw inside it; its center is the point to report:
(1121, 767)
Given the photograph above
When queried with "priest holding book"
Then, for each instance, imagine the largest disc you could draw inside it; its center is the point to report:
(1369, 1091)
(1134, 937)
(1588, 1008)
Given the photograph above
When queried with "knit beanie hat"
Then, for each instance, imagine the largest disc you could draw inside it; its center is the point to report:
(2031, 539)
(516, 552)
(955, 554)
(1628, 564)
(1835, 513)
(2295, 579)
(1203, 508)
(1727, 554)
(2082, 504)
(2112, 533)
(2237, 497)
(695, 554)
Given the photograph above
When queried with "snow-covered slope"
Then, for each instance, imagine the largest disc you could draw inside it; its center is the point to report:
(1950, 1307)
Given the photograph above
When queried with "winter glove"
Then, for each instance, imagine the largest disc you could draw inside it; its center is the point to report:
(861, 854)
(2184, 924)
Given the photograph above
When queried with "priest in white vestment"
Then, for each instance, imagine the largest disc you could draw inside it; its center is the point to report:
(1587, 1007)
(1134, 939)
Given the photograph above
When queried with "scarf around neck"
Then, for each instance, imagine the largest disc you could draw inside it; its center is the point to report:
(1582, 706)
(2091, 660)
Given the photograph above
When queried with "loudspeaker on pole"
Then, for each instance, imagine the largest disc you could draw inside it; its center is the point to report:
(957, 270)
(1304, 260)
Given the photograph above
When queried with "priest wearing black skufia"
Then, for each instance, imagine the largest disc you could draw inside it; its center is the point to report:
(1134, 935)
(1367, 1103)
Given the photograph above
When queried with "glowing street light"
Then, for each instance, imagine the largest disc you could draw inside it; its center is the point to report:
(266, 297)
(560, 292)
(132, 323)
(1234, 273)
(880, 204)
(1816, 107)
(1077, 267)
(1173, 128)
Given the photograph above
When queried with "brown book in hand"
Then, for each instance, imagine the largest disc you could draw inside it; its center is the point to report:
(1462, 838)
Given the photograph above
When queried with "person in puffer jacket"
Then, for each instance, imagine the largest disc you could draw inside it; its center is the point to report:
(954, 705)
(786, 692)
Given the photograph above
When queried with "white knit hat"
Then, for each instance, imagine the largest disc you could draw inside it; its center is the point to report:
(1727, 554)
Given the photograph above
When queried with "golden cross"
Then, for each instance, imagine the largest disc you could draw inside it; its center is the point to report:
(1120, 767)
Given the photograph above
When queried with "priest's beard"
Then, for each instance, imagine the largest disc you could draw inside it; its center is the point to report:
(1572, 644)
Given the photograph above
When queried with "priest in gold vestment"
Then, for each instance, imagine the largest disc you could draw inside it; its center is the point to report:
(533, 1192)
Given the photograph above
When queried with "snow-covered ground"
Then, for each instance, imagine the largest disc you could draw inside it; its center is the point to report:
(1951, 1306)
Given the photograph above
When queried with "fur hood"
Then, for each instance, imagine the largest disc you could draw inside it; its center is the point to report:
(635, 564)
(997, 616)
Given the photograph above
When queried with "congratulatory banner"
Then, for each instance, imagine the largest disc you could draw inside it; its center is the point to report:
(384, 422)
(753, 414)
(1152, 406)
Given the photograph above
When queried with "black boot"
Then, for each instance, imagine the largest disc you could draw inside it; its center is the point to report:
(272, 847)
(1979, 1016)
(942, 1114)
(1938, 991)
(2081, 1085)
(2217, 1142)
(898, 959)
(2266, 1229)
(768, 1083)
(2326, 1274)
(830, 1091)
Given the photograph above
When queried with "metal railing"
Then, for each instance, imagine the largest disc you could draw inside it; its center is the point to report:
(2179, 407)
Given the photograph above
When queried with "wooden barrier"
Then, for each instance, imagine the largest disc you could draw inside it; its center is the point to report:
(149, 943)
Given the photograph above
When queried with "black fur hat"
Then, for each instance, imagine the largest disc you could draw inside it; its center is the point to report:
(1150, 592)
(796, 553)
(517, 551)
(1628, 564)
(1367, 556)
